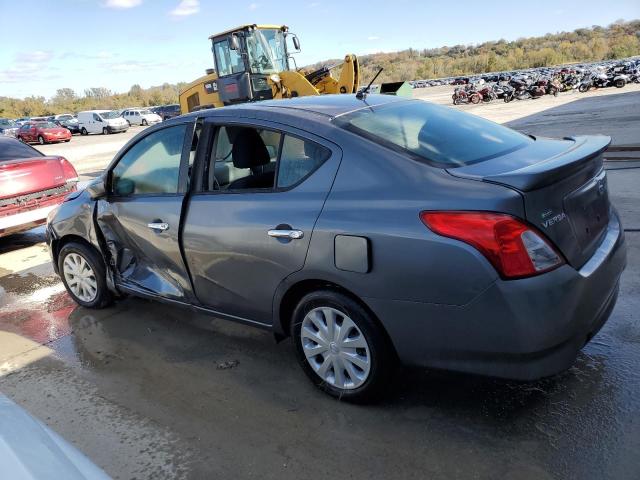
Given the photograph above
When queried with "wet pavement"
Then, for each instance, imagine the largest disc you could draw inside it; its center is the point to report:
(149, 391)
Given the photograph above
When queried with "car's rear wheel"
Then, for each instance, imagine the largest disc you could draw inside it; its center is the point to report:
(84, 131)
(144, 123)
(340, 346)
(83, 274)
(41, 140)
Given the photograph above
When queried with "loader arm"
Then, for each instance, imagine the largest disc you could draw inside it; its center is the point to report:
(347, 81)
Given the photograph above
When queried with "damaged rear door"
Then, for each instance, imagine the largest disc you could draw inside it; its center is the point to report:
(140, 215)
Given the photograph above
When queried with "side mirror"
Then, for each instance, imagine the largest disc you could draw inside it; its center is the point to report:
(234, 44)
(296, 42)
(97, 189)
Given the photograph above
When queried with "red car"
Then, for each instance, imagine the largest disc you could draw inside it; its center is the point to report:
(43, 132)
(31, 185)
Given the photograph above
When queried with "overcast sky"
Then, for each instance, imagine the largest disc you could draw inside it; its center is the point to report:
(50, 44)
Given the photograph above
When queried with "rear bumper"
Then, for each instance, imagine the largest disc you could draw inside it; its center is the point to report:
(520, 329)
(20, 222)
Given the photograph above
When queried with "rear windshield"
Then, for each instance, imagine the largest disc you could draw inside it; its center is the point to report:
(438, 135)
(46, 125)
(11, 149)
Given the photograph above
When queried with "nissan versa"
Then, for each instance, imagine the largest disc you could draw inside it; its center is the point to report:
(369, 230)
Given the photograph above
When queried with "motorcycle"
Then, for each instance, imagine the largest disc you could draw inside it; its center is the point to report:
(466, 95)
(487, 93)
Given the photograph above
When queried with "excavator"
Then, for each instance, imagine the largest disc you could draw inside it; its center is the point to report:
(254, 62)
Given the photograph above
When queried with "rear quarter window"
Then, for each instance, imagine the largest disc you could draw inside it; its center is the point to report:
(434, 134)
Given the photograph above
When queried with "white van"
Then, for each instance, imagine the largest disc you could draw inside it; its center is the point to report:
(101, 121)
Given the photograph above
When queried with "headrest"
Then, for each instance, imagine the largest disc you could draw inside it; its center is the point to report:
(249, 150)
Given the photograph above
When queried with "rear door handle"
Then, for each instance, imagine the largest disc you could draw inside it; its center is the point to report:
(158, 226)
(290, 234)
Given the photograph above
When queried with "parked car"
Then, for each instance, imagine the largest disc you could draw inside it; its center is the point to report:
(141, 117)
(43, 132)
(67, 121)
(31, 185)
(101, 121)
(8, 127)
(22, 120)
(167, 111)
(403, 230)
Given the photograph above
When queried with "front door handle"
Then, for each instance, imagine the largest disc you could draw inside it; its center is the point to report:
(158, 226)
(288, 234)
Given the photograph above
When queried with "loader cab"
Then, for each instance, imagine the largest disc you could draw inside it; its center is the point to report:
(246, 57)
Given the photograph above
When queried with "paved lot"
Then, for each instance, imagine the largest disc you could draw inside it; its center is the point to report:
(149, 391)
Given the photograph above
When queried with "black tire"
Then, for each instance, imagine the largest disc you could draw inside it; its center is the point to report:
(620, 83)
(84, 132)
(41, 140)
(103, 296)
(144, 123)
(584, 88)
(105, 131)
(383, 360)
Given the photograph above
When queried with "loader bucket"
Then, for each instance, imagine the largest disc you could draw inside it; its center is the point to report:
(401, 89)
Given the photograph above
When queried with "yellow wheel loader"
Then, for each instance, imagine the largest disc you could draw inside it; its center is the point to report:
(253, 62)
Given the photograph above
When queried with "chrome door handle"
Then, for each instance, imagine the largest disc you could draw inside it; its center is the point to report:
(290, 234)
(158, 226)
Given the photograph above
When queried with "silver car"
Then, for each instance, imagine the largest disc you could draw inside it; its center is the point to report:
(371, 231)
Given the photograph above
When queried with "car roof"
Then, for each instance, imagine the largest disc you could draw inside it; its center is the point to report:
(325, 105)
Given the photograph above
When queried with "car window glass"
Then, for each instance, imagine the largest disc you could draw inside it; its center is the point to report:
(11, 149)
(229, 61)
(298, 159)
(243, 158)
(96, 117)
(433, 133)
(152, 165)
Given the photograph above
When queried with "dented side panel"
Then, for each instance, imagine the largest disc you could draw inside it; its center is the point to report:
(142, 257)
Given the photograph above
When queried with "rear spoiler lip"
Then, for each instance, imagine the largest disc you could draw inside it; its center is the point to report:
(546, 172)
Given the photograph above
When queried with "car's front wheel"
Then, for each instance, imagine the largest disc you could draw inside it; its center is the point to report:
(83, 274)
(41, 140)
(340, 346)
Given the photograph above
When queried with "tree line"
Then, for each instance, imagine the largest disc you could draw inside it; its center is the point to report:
(619, 40)
(67, 100)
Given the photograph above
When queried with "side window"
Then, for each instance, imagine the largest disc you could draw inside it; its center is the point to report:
(96, 117)
(243, 158)
(151, 166)
(228, 61)
(193, 101)
(298, 159)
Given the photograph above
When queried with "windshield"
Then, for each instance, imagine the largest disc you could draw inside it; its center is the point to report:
(266, 50)
(112, 114)
(435, 134)
(65, 117)
(46, 125)
(11, 149)
(145, 112)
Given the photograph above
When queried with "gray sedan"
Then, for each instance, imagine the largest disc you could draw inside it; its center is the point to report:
(372, 231)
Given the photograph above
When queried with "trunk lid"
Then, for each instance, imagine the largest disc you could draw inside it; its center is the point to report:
(564, 188)
(29, 175)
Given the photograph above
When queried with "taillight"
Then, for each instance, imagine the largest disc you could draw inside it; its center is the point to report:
(70, 174)
(514, 248)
